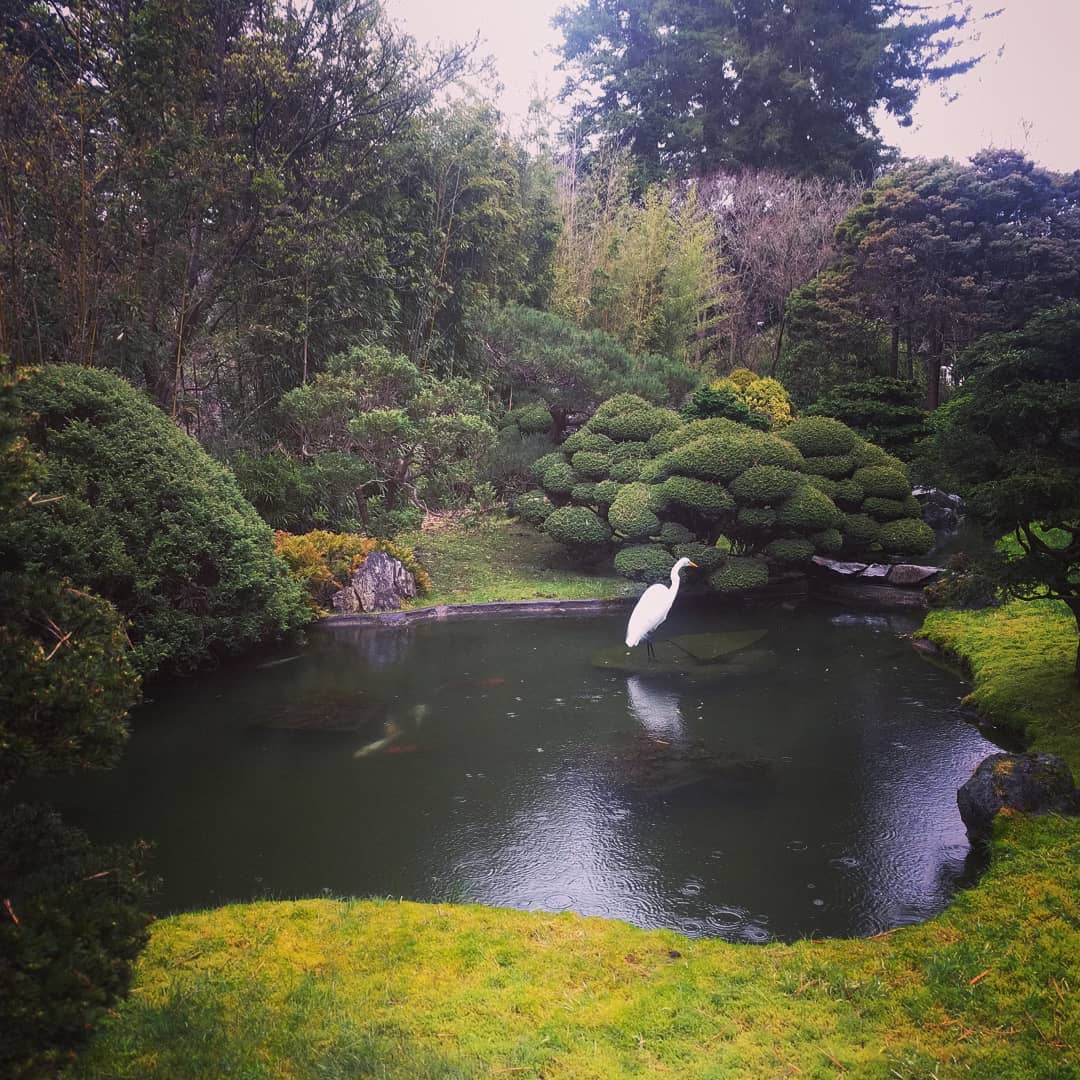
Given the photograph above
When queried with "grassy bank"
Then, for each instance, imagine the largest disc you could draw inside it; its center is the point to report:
(325, 988)
(490, 557)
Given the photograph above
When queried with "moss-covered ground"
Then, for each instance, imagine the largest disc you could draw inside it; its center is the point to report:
(490, 557)
(382, 988)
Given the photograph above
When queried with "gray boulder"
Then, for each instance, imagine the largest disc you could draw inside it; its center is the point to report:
(940, 510)
(382, 583)
(1031, 783)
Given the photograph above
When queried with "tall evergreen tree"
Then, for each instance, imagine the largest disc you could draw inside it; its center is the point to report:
(692, 86)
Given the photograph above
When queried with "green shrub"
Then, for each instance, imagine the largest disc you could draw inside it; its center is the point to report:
(847, 494)
(824, 485)
(707, 556)
(638, 425)
(764, 485)
(699, 496)
(672, 532)
(724, 456)
(885, 509)
(790, 550)
(887, 411)
(756, 517)
(859, 531)
(835, 466)
(627, 451)
(584, 494)
(80, 925)
(619, 404)
(542, 464)
(626, 472)
(808, 510)
(883, 481)
(819, 435)
(577, 527)
(149, 521)
(906, 537)
(736, 574)
(508, 466)
(530, 419)
(584, 439)
(707, 402)
(591, 465)
(533, 507)
(867, 453)
(651, 472)
(559, 478)
(828, 541)
(605, 492)
(644, 562)
(632, 515)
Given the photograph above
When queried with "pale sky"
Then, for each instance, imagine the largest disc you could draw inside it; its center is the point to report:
(1025, 98)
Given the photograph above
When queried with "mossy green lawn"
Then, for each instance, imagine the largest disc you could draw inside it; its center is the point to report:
(490, 557)
(381, 988)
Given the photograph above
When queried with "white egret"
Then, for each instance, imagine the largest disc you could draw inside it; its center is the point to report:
(652, 609)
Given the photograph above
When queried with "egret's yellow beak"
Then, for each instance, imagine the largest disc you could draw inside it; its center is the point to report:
(694, 565)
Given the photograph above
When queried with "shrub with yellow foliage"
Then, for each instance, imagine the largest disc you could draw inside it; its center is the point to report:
(760, 394)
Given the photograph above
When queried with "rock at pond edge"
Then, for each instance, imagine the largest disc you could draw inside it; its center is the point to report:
(380, 584)
(1031, 783)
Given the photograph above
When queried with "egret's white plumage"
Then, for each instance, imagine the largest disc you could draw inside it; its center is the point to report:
(653, 607)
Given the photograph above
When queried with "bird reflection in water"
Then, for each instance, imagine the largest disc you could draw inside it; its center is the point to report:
(656, 708)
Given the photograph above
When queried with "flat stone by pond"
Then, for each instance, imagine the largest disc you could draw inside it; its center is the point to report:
(539, 764)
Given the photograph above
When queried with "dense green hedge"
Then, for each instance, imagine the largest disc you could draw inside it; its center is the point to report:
(578, 527)
(144, 517)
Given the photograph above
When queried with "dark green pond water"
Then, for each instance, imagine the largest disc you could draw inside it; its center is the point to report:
(803, 785)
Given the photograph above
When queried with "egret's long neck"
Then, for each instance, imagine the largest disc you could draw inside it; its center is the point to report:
(674, 581)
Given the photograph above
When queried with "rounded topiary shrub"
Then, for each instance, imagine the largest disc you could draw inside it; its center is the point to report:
(541, 465)
(756, 517)
(584, 439)
(559, 478)
(736, 574)
(788, 549)
(697, 496)
(638, 425)
(883, 481)
(906, 537)
(147, 519)
(632, 515)
(835, 466)
(847, 494)
(672, 532)
(577, 527)
(591, 465)
(828, 541)
(817, 436)
(859, 531)
(885, 509)
(626, 472)
(808, 510)
(764, 485)
(530, 419)
(532, 506)
(825, 485)
(644, 562)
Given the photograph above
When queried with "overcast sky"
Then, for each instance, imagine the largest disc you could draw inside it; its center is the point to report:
(1025, 98)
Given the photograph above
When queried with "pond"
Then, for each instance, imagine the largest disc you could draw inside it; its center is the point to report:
(791, 773)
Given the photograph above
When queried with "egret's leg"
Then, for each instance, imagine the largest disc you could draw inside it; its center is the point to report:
(649, 648)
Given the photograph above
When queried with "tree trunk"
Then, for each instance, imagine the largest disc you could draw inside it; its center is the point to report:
(894, 356)
(933, 372)
(1074, 607)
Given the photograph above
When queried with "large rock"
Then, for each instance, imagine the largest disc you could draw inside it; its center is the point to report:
(940, 510)
(381, 584)
(1032, 783)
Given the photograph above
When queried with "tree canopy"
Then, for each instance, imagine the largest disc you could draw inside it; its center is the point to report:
(1010, 443)
(689, 87)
